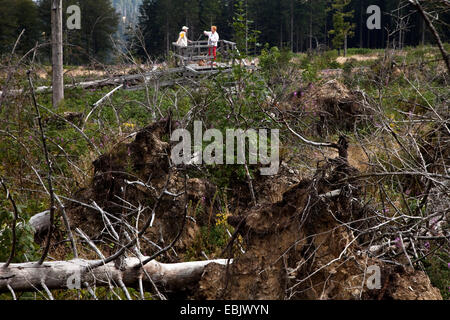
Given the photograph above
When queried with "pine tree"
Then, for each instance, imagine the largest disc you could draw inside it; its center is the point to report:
(244, 35)
(342, 28)
(8, 25)
(15, 16)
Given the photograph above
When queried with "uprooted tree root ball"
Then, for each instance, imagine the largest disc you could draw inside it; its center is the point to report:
(133, 174)
(301, 247)
(337, 107)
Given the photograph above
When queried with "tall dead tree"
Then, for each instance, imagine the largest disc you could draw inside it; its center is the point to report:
(57, 53)
(433, 30)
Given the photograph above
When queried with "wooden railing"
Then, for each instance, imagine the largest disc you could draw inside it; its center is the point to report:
(198, 51)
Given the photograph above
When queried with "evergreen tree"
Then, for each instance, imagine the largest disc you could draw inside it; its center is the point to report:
(244, 36)
(8, 25)
(342, 28)
(15, 16)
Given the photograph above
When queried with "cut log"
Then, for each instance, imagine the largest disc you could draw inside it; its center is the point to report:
(74, 274)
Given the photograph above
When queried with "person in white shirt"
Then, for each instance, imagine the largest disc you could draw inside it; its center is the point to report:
(183, 39)
(213, 39)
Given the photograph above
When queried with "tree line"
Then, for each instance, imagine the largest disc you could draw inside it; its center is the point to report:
(94, 41)
(295, 24)
(298, 25)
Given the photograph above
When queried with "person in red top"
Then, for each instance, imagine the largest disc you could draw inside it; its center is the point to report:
(213, 39)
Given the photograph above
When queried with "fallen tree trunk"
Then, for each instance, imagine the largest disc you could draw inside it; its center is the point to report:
(165, 77)
(75, 274)
(113, 81)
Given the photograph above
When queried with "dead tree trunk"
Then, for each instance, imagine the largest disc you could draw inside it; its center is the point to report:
(57, 53)
(292, 25)
(433, 30)
(76, 274)
(310, 25)
(345, 45)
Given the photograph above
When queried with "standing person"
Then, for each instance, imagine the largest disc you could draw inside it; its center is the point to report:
(183, 39)
(213, 39)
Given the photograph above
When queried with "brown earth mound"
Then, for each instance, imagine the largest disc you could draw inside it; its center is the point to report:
(337, 108)
(134, 174)
(303, 247)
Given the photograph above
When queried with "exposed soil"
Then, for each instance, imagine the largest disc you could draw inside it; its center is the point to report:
(298, 248)
(338, 108)
(357, 57)
(298, 242)
(114, 182)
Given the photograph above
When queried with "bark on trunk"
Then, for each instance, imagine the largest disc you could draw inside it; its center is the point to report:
(57, 53)
(361, 28)
(292, 25)
(76, 273)
(433, 30)
(345, 46)
(310, 26)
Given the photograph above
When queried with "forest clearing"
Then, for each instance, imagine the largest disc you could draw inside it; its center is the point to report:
(146, 177)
